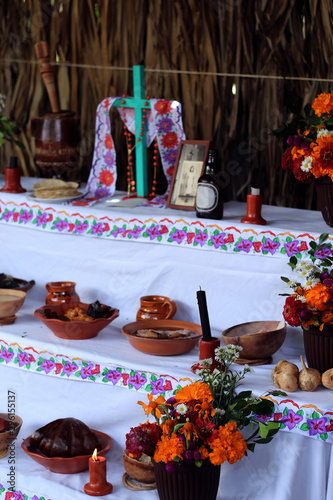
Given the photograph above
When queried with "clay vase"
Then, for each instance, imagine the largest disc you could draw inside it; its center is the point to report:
(188, 482)
(137, 470)
(156, 307)
(60, 292)
(318, 346)
(57, 141)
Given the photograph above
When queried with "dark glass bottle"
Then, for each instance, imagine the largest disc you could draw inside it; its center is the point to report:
(209, 201)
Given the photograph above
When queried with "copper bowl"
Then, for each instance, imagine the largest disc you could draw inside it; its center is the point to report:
(162, 347)
(259, 339)
(70, 465)
(8, 436)
(74, 329)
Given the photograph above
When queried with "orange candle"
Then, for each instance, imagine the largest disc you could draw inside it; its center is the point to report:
(98, 484)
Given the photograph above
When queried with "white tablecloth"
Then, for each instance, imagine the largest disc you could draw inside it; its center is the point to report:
(240, 287)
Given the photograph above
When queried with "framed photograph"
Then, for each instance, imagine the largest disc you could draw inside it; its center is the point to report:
(190, 163)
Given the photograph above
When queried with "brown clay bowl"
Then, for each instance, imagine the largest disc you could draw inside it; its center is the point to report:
(23, 285)
(75, 329)
(162, 347)
(63, 465)
(259, 339)
(8, 436)
(137, 470)
(9, 308)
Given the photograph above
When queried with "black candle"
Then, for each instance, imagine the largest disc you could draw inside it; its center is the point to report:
(204, 318)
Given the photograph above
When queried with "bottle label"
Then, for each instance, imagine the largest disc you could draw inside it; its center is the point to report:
(207, 197)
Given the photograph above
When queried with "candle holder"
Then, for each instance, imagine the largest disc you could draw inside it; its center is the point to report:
(98, 485)
(206, 350)
(12, 178)
(254, 203)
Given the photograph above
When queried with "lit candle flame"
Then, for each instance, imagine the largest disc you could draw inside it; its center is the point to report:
(94, 455)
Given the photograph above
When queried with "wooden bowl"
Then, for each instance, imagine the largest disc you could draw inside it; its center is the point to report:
(63, 465)
(74, 329)
(8, 308)
(162, 347)
(137, 470)
(259, 339)
(8, 436)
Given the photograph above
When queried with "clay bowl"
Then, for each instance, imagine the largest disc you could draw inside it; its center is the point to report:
(23, 285)
(137, 470)
(259, 339)
(8, 436)
(162, 347)
(8, 308)
(75, 329)
(66, 465)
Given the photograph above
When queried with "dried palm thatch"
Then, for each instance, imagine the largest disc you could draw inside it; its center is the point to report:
(198, 52)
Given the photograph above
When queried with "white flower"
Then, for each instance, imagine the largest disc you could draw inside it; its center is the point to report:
(306, 164)
(181, 408)
(311, 282)
(323, 132)
(219, 411)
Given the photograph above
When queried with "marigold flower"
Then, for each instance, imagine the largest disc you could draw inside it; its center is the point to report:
(196, 391)
(323, 103)
(168, 448)
(317, 297)
(323, 157)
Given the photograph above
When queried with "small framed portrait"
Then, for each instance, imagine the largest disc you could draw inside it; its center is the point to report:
(190, 163)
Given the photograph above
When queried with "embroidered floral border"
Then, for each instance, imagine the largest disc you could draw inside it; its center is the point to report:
(307, 420)
(78, 369)
(193, 234)
(17, 495)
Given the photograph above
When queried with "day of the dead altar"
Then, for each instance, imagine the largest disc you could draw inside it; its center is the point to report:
(117, 255)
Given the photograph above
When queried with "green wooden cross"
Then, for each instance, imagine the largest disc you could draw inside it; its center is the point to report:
(138, 102)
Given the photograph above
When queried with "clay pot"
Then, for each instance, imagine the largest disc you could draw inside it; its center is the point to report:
(156, 307)
(57, 141)
(139, 471)
(60, 292)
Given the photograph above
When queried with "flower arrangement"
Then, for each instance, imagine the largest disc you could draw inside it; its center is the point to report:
(311, 302)
(310, 150)
(204, 420)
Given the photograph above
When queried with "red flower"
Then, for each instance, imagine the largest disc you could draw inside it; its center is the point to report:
(305, 177)
(106, 227)
(287, 161)
(257, 245)
(162, 107)
(96, 370)
(106, 177)
(108, 141)
(58, 368)
(190, 237)
(163, 229)
(291, 311)
(71, 228)
(15, 216)
(229, 239)
(302, 246)
(167, 386)
(125, 378)
(170, 170)
(169, 140)
(49, 218)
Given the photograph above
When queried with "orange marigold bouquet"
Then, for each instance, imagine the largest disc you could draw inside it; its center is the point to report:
(310, 151)
(311, 302)
(192, 427)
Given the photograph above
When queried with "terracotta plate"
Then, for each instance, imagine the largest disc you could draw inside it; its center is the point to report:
(66, 465)
(162, 347)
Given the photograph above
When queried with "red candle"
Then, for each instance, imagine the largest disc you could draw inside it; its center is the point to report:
(98, 484)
